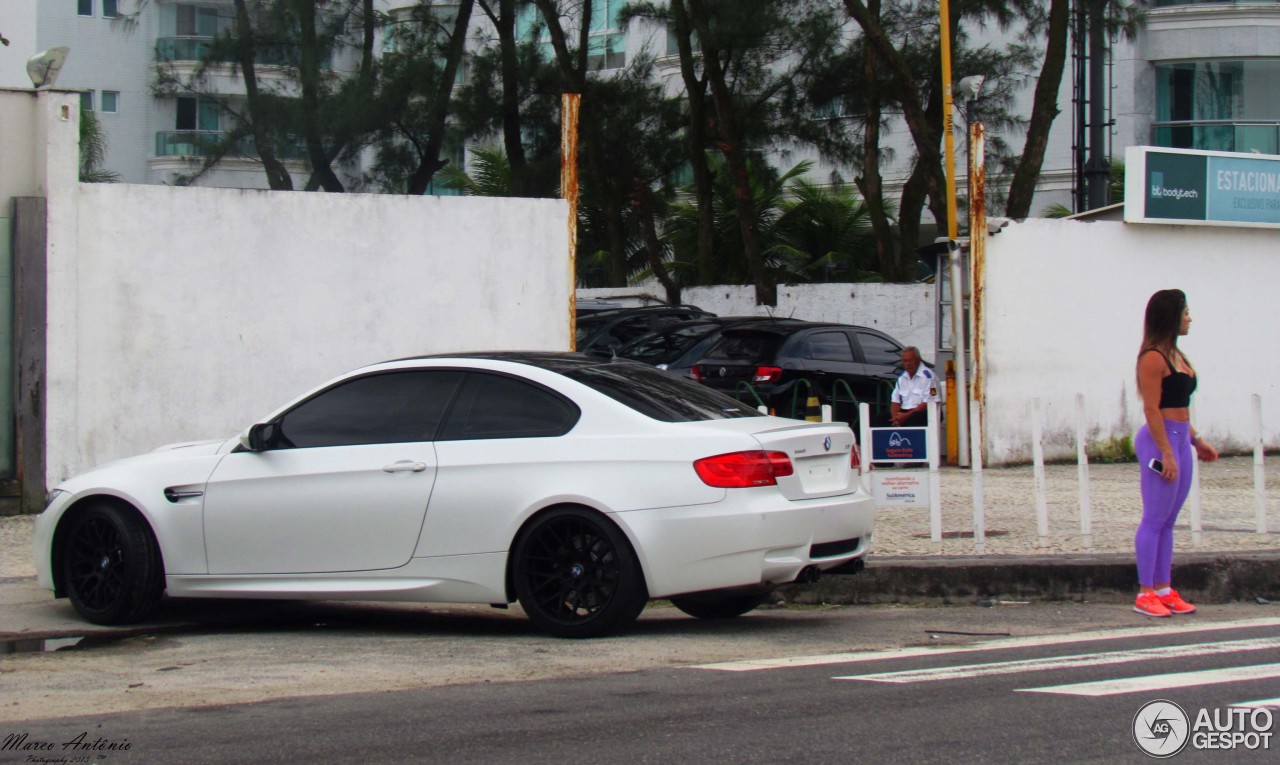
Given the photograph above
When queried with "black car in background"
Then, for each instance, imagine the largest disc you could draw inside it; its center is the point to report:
(779, 363)
(604, 331)
(677, 347)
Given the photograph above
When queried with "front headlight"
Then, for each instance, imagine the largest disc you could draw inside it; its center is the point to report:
(53, 495)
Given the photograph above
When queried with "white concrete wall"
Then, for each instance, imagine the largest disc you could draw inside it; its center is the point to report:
(902, 311)
(188, 313)
(1064, 312)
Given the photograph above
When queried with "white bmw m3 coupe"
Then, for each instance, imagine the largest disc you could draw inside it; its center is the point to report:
(580, 487)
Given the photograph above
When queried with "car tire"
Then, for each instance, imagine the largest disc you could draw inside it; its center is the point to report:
(111, 565)
(718, 605)
(576, 575)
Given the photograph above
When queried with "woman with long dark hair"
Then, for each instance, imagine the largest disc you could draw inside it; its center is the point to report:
(1166, 381)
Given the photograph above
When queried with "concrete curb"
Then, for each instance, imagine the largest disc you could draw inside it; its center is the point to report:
(1211, 578)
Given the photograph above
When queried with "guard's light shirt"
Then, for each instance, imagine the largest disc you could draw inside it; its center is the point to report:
(912, 391)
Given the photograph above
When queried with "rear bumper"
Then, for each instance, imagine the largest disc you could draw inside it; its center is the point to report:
(753, 538)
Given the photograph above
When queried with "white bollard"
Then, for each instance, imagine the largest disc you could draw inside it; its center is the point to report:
(1082, 461)
(827, 414)
(1193, 498)
(975, 467)
(864, 439)
(935, 485)
(762, 409)
(1037, 458)
(1259, 468)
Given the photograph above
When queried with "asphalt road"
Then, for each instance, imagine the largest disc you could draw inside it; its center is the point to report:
(843, 700)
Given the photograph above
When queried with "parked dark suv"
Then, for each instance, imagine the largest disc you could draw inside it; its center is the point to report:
(677, 347)
(778, 363)
(606, 330)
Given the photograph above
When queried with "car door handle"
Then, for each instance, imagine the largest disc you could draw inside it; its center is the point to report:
(405, 466)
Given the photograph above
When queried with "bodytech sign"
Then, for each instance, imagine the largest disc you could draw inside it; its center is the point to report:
(1201, 187)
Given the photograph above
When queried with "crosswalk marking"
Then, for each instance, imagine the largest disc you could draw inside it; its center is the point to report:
(1066, 662)
(751, 665)
(1161, 682)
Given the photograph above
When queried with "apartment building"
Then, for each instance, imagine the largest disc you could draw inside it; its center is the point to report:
(1198, 74)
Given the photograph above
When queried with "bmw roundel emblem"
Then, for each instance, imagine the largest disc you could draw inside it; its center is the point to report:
(826, 443)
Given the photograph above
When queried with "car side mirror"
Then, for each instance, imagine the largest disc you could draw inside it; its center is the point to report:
(261, 437)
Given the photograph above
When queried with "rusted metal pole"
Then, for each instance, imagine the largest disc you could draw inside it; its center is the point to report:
(977, 263)
(569, 104)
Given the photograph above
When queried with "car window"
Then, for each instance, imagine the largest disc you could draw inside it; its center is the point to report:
(828, 346)
(586, 328)
(666, 345)
(659, 395)
(880, 350)
(744, 347)
(386, 408)
(498, 406)
(629, 329)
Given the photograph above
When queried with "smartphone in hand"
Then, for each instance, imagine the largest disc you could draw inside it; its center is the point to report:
(1156, 465)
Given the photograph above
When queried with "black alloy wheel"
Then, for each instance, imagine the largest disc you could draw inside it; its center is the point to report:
(718, 605)
(576, 575)
(111, 565)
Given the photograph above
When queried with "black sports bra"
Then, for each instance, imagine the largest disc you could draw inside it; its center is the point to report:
(1176, 389)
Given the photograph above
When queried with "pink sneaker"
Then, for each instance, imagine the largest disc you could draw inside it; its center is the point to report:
(1149, 603)
(1174, 602)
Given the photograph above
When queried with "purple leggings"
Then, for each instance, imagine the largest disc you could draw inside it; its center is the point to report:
(1161, 501)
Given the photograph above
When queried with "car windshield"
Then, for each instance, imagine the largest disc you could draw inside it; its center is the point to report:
(659, 395)
(666, 345)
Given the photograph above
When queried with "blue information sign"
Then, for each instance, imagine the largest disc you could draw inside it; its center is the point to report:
(899, 445)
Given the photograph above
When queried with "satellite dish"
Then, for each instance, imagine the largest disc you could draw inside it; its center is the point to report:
(43, 68)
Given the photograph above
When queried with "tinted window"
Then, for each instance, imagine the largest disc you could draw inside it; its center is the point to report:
(387, 408)
(659, 395)
(627, 330)
(880, 350)
(667, 345)
(746, 347)
(828, 346)
(497, 406)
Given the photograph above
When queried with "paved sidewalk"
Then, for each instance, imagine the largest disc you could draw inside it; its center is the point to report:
(1232, 562)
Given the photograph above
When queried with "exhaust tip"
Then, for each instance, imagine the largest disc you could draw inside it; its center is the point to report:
(808, 575)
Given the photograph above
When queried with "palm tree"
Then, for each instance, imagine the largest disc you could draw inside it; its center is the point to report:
(825, 231)
(93, 150)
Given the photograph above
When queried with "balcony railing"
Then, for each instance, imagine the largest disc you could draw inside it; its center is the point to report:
(1172, 3)
(1219, 135)
(205, 143)
(170, 49)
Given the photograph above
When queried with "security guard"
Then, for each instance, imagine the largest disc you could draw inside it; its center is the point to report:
(916, 387)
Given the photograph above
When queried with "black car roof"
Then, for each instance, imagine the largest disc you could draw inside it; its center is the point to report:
(787, 326)
(600, 316)
(555, 361)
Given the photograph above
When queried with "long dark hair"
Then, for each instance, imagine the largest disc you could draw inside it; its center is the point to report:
(1162, 324)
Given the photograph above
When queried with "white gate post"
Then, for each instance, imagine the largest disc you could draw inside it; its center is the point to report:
(1193, 499)
(1259, 468)
(975, 467)
(864, 439)
(1037, 457)
(1082, 462)
(935, 486)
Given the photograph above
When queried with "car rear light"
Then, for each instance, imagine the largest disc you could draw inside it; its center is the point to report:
(696, 372)
(740, 470)
(855, 459)
(768, 374)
